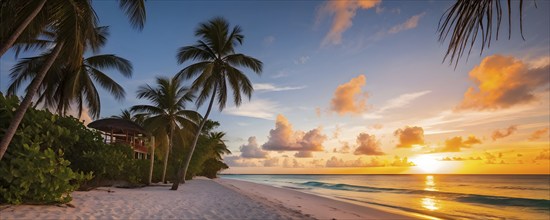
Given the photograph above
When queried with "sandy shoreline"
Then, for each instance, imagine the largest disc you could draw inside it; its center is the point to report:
(198, 199)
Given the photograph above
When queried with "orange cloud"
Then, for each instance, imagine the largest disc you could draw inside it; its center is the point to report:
(374, 162)
(343, 12)
(454, 144)
(539, 134)
(252, 150)
(544, 155)
(271, 162)
(367, 145)
(237, 161)
(460, 158)
(304, 154)
(377, 126)
(348, 97)
(497, 134)
(284, 138)
(318, 112)
(409, 24)
(409, 136)
(344, 149)
(502, 82)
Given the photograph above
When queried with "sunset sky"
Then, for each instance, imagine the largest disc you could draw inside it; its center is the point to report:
(357, 87)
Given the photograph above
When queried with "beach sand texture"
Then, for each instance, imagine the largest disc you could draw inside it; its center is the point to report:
(197, 199)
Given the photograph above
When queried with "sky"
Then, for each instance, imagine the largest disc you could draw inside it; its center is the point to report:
(355, 86)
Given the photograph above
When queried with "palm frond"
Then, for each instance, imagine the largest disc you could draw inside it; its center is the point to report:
(135, 10)
(111, 61)
(466, 20)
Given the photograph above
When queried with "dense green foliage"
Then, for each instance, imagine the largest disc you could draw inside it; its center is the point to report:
(33, 169)
(51, 156)
(207, 157)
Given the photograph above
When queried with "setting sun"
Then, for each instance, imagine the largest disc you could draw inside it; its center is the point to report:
(427, 163)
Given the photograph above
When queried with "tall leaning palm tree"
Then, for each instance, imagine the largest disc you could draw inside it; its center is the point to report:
(65, 86)
(36, 15)
(74, 31)
(216, 70)
(466, 20)
(167, 112)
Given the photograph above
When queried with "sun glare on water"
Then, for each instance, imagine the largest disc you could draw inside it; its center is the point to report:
(427, 163)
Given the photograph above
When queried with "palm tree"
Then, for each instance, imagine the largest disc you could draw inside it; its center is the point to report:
(65, 86)
(219, 147)
(74, 32)
(127, 114)
(35, 16)
(216, 70)
(467, 19)
(167, 112)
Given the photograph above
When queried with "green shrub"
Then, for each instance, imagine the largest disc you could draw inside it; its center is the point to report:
(37, 176)
(33, 169)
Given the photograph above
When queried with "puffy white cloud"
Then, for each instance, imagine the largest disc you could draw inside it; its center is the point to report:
(252, 150)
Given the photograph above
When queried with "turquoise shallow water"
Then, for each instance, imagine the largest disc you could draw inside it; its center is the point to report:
(444, 196)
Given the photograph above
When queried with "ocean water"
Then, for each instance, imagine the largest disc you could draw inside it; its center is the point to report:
(440, 196)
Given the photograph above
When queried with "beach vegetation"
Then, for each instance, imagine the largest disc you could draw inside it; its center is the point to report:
(166, 116)
(71, 25)
(52, 155)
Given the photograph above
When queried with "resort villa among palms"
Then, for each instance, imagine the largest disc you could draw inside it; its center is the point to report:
(122, 131)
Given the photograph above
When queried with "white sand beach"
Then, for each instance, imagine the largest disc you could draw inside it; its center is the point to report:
(198, 199)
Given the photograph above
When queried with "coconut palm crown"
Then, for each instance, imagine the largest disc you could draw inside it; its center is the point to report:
(216, 69)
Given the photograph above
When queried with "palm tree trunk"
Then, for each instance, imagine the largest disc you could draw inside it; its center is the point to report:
(152, 160)
(33, 88)
(168, 152)
(183, 170)
(13, 37)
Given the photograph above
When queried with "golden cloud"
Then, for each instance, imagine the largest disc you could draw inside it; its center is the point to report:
(543, 155)
(344, 149)
(497, 134)
(348, 97)
(374, 162)
(284, 138)
(343, 12)
(539, 134)
(367, 145)
(502, 82)
(409, 136)
(454, 144)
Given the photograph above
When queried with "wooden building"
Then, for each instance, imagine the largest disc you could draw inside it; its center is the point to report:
(117, 130)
